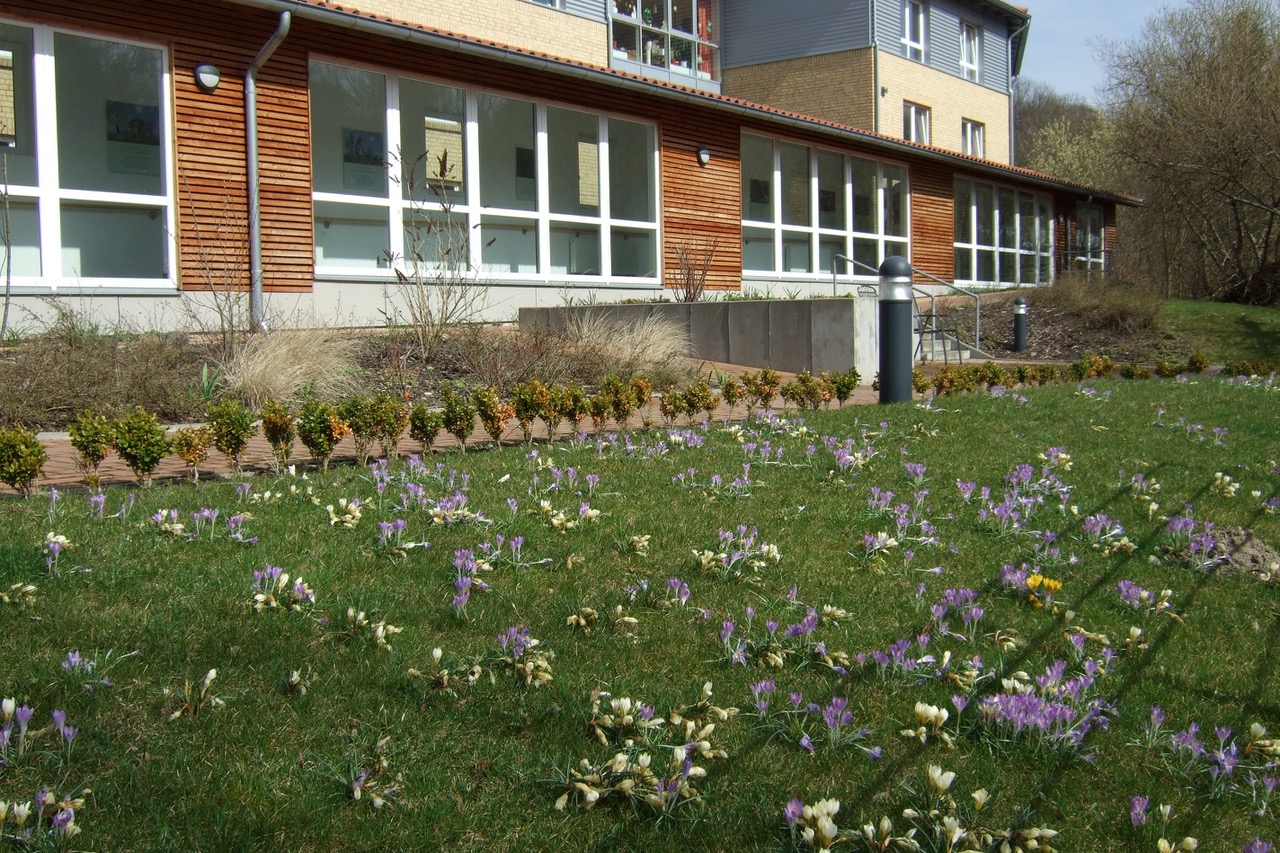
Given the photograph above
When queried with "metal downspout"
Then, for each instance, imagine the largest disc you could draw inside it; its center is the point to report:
(251, 145)
(875, 69)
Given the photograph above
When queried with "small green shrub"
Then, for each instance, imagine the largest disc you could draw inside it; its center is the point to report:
(358, 414)
(1197, 362)
(279, 429)
(424, 425)
(732, 391)
(671, 404)
(458, 414)
(550, 406)
(191, 444)
(141, 443)
(320, 429)
(92, 436)
(493, 411)
(389, 418)
(525, 400)
(232, 425)
(1135, 371)
(699, 397)
(1166, 368)
(844, 384)
(22, 458)
(576, 405)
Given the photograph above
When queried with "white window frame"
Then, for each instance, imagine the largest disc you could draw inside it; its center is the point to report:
(473, 213)
(917, 123)
(660, 36)
(915, 29)
(886, 244)
(49, 196)
(970, 51)
(1041, 227)
(973, 138)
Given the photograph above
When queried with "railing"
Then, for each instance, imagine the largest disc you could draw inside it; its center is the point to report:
(932, 297)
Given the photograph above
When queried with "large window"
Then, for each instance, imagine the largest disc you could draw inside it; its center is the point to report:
(913, 29)
(676, 35)
(1090, 253)
(1002, 235)
(84, 128)
(970, 51)
(915, 123)
(802, 206)
(475, 180)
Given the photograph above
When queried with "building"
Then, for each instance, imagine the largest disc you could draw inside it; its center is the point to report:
(574, 163)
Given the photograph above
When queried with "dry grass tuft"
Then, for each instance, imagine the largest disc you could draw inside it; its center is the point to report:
(654, 348)
(1098, 304)
(285, 364)
(501, 357)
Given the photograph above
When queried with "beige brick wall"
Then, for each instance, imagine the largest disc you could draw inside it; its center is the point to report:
(949, 99)
(518, 23)
(834, 86)
(8, 116)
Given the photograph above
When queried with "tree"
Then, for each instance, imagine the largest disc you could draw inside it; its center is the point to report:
(1038, 108)
(1195, 107)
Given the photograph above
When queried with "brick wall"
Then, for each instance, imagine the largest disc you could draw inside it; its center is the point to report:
(834, 86)
(515, 22)
(8, 116)
(949, 98)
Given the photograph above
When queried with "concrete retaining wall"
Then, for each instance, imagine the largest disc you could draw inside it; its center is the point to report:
(784, 334)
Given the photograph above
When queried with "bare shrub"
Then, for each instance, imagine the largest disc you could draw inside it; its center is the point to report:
(693, 261)
(502, 357)
(221, 249)
(654, 348)
(286, 363)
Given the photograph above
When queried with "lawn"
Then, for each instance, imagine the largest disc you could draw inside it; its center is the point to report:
(818, 588)
(1225, 333)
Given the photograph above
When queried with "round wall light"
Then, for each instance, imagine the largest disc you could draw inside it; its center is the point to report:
(704, 156)
(207, 77)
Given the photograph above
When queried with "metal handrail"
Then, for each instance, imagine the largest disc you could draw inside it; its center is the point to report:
(933, 299)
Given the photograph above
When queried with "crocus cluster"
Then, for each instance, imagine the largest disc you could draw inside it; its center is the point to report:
(1053, 709)
(272, 590)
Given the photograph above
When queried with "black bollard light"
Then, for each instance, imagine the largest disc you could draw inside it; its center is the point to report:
(896, 336)
(1020, 324)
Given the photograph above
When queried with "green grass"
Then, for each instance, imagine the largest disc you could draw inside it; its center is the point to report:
(478, 764)
(1225, 333)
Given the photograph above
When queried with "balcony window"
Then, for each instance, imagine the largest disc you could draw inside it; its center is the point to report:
(677, 36)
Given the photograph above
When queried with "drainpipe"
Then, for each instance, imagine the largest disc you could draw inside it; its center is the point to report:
(1013, 115)
(875, 68)
(251, 145)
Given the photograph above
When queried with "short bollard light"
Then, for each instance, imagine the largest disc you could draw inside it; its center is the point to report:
(896, 335)
(1020, 324)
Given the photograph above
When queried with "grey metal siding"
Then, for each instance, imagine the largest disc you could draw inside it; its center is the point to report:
(889, 25)
(758, 31)
(942, 38)
(594, 9)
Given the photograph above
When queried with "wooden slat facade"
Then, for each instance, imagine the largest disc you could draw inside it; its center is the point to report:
(697, 203)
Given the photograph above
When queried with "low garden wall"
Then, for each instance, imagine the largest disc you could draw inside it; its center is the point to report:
(785, 334)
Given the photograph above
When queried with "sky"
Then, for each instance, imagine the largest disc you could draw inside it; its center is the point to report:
(1065, 35)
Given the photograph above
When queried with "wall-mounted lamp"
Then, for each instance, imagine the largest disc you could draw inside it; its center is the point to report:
(704, 156)
(207, 77)
(884, 90)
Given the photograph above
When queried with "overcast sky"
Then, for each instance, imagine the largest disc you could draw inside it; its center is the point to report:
(1065, 35)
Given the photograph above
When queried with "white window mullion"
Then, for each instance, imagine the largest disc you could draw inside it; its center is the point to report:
(395, 176)
(47, 190)
(603, 180)
(471, 180)
(543, 193)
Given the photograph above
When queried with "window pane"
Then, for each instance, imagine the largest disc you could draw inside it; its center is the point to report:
(654, 13)
(964, 264)
(509, 244)
(24, 239)
(682, 15)
(631, 178)
(796, 253)
(573, 162)
(1027, 222)
(830, 190)
(508, 154)
(351, 235)
(1008, 219)
(108, 241)
(433, 123)
(864, 196)
(964, 212)
(1045, 223)
(433, 241)
(867, 255)
(757, 249)
(1008, 267)
(795, 184)
(17, 110)
(654, 51)
(634, 252)
(757, 179)
(828, 248)
(348, 131)
(895, 201)
(575, 250)
(626, 42)
(681, 56)
(109, 117)
(986, 266)
(985, 206)
(1028, 273)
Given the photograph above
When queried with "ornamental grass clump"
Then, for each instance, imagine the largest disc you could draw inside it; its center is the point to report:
(22, 459)
(92, 435)
(141, 442)
(232, 425)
